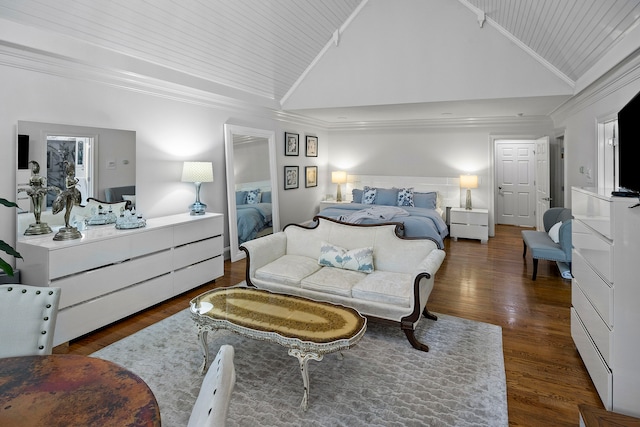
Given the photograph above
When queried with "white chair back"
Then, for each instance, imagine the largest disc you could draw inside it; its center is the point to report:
(27, 319)
(213, 400)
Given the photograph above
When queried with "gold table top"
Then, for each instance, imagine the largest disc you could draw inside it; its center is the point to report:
(291, 317)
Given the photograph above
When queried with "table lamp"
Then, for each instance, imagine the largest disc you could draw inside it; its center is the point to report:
(197, 172)
(339, 177)
(468, 182)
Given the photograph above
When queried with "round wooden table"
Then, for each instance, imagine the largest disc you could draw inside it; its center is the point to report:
(72, 390)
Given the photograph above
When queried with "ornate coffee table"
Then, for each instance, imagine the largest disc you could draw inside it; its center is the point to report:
(309, 329)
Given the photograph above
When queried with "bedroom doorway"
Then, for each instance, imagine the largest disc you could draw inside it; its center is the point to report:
(515, 169)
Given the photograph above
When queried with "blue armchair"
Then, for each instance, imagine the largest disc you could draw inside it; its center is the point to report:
(541, 244)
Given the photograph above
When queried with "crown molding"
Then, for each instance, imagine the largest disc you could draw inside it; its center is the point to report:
(457, 123)
(623, 74)
(30, 59)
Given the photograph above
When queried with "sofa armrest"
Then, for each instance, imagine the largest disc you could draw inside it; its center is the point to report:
(264, 250)
(430, 264)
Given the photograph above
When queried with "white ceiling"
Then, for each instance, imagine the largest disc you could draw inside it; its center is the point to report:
(264, 48)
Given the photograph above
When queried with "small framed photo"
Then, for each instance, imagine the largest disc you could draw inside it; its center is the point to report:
(291, 144)
(312, 146)
(311, 176)
(290, 177)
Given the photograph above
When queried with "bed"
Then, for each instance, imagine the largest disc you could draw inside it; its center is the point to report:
(418, 202)
(254, 213)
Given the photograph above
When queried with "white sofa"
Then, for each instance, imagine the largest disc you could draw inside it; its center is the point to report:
(397, 289)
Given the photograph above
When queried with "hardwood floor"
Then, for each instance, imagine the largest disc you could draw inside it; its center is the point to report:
(546, 379)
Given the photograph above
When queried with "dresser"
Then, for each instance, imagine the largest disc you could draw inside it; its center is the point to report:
(605, 294)
(469, 224)
(110, 274)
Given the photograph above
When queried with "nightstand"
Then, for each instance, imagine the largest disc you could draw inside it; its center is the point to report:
(469, 224)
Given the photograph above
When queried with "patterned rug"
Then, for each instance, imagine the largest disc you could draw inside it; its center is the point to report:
(382, 381)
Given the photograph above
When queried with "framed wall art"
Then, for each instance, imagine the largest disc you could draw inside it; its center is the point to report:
(311, 176)
(291, 144)
(312, 146)
(290, 177)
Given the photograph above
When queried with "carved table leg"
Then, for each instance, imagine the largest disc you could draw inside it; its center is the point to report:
(202, 339)
(303, 358)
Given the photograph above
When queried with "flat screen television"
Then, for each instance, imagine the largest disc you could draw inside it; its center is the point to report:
(629, 147)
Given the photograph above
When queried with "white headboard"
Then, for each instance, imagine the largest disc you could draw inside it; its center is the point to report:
(261, 185)
(448, 188)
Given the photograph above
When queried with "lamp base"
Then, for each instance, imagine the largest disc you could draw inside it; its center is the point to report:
(197, 208)
(468, 205)
(339, 194)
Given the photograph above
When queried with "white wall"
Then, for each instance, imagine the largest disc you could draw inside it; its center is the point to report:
(426, 151)
(168, 130)
(579, 118)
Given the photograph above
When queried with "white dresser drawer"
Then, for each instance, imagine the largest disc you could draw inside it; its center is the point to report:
(82, 257)
(195, 252)
(469, 231)
(595, 249)
(197, 230)
(91, 284)
(598, 331)
(598, 370)
(469, 217)
(593, 211)
(151, 241)
(599, 292)
(75, 321)
(198, 274)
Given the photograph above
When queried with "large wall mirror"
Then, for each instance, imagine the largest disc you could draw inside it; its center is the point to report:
(104, 158)
(252, 188)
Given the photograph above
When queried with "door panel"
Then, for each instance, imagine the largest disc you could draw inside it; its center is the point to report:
(515, 171)
(543, 193)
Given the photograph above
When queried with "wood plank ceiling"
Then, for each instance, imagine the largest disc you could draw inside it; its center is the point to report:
(262, 47)
(571, 35)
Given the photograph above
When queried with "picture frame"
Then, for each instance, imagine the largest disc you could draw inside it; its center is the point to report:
(291, 177)
(311, 176)
(312, 146)
(291, 144)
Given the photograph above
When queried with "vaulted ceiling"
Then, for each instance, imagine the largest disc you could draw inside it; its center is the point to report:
(270, 49)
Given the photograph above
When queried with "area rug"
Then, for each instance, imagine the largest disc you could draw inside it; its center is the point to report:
(382, 381)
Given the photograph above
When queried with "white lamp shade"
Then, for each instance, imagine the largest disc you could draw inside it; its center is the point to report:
(468, 181)
(338, 177)
(197, 172)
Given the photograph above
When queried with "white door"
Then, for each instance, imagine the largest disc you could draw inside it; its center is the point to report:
(543, 193)
(515, 180)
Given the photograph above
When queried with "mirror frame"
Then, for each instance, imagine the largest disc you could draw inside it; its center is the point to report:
(230, 130)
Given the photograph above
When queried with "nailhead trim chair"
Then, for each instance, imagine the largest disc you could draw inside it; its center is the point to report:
(27, 319)
(542, 246)
(210, 409)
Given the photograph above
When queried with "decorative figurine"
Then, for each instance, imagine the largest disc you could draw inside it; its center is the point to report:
(37, 191)
(67, 199)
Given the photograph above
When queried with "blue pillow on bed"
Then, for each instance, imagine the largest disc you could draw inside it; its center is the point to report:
(357, 195)
(241, 197)
(405, 197)
(266, 197)
(386, 196)
(368, 195)
(253, 197)
(425, 200)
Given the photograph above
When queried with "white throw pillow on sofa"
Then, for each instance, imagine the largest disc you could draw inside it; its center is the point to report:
(554, 232)
(360, 259)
